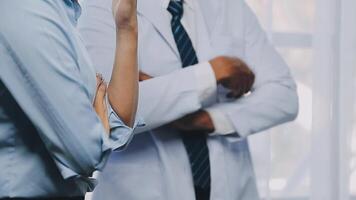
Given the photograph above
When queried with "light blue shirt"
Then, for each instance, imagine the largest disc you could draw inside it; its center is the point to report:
(51, 140)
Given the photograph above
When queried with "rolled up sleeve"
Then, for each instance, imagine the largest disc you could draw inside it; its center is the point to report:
(120, 134)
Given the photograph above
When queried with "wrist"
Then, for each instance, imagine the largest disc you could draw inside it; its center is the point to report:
(216, 72)
(217, 69)
(205, 122)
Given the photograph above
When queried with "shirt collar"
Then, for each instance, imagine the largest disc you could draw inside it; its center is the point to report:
(189, 3)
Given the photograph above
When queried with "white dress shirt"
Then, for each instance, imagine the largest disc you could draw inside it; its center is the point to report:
(205, 75)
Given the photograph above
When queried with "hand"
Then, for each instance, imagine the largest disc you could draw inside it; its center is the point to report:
(198, 122)
(143, 76)
(99, 103)
(233, 74)
(125, 14)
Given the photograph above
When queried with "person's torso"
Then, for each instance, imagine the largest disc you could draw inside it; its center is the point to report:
(155, 165)
(27, 169)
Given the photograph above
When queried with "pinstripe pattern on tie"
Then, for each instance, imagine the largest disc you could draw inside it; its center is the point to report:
(195, 143)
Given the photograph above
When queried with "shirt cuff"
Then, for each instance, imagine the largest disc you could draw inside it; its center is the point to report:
(120, 134)
(222, 124)
(206, 81)
(84, 183)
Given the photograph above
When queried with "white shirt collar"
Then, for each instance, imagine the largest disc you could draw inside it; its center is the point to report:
(189, 3)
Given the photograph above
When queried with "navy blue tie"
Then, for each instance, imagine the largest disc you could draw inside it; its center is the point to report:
(195, 143)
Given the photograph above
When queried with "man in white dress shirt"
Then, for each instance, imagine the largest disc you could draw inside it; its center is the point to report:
(199, 99)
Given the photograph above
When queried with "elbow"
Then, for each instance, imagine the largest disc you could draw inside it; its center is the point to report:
(94, 158)
(122, 107)
(91, 161)
(128, 121)
(289, 99)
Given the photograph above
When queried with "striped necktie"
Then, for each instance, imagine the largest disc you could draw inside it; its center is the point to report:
(195, 143)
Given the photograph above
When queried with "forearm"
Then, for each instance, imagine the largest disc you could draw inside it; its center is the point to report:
(174, 95)
(123, 86)
(167, 98)
(268, 106)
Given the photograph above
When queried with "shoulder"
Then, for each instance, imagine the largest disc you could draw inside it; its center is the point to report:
(26, 20)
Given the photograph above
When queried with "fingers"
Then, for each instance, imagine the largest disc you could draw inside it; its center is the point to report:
(240, 86)
(99, 103)
(100, 82)
(143, 76)
(234, 95)
(99, 79)
(241, 81)
(102, 90)
(101, 87)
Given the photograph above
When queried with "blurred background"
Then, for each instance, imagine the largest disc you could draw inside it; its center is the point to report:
(315, 156)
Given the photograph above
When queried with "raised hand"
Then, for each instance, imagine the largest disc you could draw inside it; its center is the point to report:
(123, 86)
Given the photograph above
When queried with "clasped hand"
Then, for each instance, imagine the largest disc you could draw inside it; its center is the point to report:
(233, 74)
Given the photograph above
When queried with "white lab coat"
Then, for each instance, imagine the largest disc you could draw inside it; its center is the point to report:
(155, 165)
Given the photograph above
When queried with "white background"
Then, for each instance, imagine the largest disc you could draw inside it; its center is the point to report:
(315, 156)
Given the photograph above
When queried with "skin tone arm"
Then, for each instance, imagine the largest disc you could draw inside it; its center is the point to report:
(123, 87)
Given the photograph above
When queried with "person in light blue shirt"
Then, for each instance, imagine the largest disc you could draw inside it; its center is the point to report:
(51, 139)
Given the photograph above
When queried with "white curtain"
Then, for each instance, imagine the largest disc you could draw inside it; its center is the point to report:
(315, 156)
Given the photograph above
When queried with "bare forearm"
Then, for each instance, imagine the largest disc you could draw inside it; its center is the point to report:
(123, 86)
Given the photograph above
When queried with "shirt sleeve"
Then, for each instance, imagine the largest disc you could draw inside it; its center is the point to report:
(39, 66)
(273, 99)
(166, 98)
(221, 122)
(206, 83)
(162, 99)
(121, 134)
